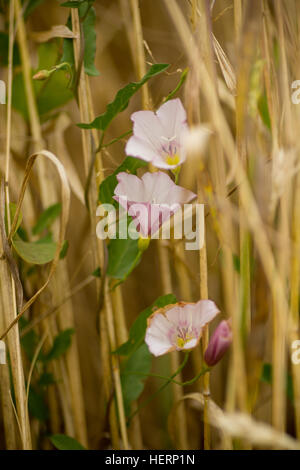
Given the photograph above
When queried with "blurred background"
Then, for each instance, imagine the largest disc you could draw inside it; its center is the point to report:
(260, 69)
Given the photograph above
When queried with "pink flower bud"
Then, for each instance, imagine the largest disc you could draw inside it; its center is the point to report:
(218, 344)
(42, 75)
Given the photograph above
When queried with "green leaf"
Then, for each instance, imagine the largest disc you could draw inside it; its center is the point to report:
(97, 272)
(40, 252)
(54, 92)
(73, 4)
(107, 187)
(46, 379)
(122, 98)
(267, 374)
(236, 262)
(123, 257)
(22, 233)
(89, 33)
(46, 239)
(19, 97)
(276, 52)
(4, 51)
(263, 109)
(61, 344)
(51, 93)
(133, 385)
(29, 341)
(47, 218)
(138, 329)
(76, 4)
(64, 250)
(37, 406)
(180, 83)
(63, 442)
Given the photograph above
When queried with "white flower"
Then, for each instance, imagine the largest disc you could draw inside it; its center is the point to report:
(150, 200)
(179, 326)
(159, 137)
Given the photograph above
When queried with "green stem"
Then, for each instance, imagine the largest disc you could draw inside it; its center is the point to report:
(83, 18)
(203, 371)
(90, 172)
(169, 380)
(176, 173)
(117, 139)
(67, 66)
(179, 85)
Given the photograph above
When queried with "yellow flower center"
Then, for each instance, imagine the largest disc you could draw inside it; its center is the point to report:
(173, 159)
(182, 339)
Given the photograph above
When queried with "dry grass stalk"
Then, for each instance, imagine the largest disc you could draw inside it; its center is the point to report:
(164, 261)
(242, 426)
(47, 191)
(7, 282)
(85, 112)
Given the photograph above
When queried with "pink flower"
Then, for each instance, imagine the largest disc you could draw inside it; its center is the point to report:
(178, 326)
(150, 200)
(218, 344)
(158, 137)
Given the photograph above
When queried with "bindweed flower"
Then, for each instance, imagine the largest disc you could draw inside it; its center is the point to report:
(159, 137)
(150, 200)
(219, 343)
(179, 326)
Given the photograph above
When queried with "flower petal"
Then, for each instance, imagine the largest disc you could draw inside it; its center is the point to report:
(131, 187)
(160, 213)
(191, 344)
(179, 316)
(182, 323)
(141, 215)
(172, 116)
(154, 132)
(157, 186)
(192, 315)
(219, 343)
(203, 312)
(148, 128)
(160, 162)
(158, 335)
(136, 147)
(161, 189)
(180, 195)
(159, 195)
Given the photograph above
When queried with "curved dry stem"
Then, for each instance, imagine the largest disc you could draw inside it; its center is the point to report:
(65, 198)
(242, 426)
(33, 362)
